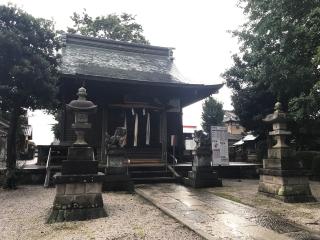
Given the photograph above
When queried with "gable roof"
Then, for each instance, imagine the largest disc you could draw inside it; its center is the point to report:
(118, 60)
(109, 61)
(230, 116)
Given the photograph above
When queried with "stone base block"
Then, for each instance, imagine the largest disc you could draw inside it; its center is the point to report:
(202, 179)
(83, 153)
(80, 167)
(68, 215)
(202, 168)
(79, 178)
(288, 189)
(77, 201)
(281, 153)
(202, 157)
(281, 164)
(202, 175)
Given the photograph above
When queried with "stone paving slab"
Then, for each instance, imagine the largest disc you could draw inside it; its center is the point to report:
(214, 217)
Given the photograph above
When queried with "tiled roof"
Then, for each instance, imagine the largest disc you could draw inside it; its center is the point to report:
(230, 116)
(118, 60)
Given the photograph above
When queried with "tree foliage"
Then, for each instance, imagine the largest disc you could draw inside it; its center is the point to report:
(28, 68)
(278, 48)
(212, 114)
(112, 26)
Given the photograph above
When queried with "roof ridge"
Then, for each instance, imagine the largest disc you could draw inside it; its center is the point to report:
(116, 45)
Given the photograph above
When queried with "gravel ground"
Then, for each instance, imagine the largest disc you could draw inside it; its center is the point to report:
(23, 213)
(246, 192)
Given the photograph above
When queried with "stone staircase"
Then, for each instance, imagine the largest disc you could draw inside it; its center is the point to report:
(146, 166)
(151, 174)
(144, 157)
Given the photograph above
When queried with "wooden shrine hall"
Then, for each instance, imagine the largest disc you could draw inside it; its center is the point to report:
(135, 86)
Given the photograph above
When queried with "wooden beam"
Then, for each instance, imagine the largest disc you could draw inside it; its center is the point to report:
(135, 105)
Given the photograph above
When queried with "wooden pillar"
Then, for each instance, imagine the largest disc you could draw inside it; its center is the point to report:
(164, 133)
(181, 146)
(63, 124)
(103, 133)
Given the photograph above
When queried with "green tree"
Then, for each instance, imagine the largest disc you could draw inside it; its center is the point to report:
(278, 45)
(115, 27)
(212, 114)
(28, 69)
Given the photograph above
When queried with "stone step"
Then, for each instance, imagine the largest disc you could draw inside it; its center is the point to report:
(154, 180)
(147, 167)
(150, 174)
(145, 161)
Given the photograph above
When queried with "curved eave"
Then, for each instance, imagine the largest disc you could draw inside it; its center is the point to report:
(188, 93)
(198, 92)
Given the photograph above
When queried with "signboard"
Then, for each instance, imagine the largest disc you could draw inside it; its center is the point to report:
(219, 141)
(190, 144)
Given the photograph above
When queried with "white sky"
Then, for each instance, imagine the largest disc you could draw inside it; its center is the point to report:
(196, 29)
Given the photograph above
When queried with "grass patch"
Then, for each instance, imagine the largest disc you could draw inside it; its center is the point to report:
(139, 233)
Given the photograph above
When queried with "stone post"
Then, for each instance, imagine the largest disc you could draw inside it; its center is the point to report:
(282, 176)
(117, 176)
(202, 174)
(79, 185)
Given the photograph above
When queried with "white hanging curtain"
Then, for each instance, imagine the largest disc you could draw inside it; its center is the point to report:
(136, 123)
(125, 126)
(125, 120)
(148, 129)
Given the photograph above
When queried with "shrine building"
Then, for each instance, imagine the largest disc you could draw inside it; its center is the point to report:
(135, 86)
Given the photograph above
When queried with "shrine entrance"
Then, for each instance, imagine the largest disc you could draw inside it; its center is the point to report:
(144, 131)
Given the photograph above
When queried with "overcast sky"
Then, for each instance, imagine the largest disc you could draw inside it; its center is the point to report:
(196, 29)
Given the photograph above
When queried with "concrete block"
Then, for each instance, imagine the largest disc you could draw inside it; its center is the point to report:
(269, 187)
(60, 189)
(279, 180)
(298, 181)
(266, 178)
(93, 188)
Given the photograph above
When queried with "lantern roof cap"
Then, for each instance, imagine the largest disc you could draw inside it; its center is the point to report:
(278, 116)
(81, 104)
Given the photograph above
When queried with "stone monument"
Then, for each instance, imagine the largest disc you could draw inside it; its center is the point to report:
(282, 175)
(117, 176)
(202, 174)
(79, 185)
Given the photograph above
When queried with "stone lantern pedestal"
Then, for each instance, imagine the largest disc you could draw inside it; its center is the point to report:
(282, 176)
(79, 185)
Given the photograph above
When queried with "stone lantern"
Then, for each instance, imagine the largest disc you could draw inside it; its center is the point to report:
(81, 108)
(79, 185)
(282, 176)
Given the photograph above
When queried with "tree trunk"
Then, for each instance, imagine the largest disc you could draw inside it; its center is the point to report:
(10, 177)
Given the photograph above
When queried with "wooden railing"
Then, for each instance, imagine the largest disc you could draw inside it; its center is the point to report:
(48, 170)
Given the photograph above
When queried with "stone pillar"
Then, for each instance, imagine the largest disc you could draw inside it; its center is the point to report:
(79, 185)
(282, 176)
(117, 176)
(202, 174)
